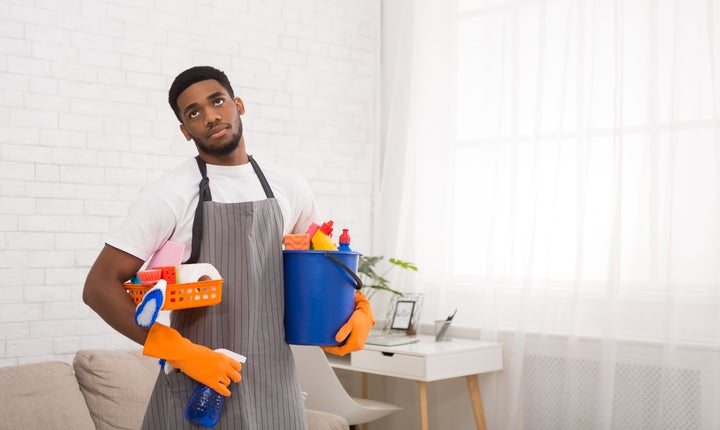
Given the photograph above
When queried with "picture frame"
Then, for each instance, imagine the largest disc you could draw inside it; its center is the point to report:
(402, 317)
(396, 324)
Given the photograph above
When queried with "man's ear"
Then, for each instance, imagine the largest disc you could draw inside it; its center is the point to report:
(240, 105)
(185, 132)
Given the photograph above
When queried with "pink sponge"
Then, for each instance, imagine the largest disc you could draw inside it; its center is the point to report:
(170, 254)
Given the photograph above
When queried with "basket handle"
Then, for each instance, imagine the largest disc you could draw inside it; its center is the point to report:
(358, 282)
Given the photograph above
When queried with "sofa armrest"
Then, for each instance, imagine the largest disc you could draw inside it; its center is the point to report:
(42, 396)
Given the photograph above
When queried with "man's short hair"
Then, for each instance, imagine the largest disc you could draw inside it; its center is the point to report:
(191, 76)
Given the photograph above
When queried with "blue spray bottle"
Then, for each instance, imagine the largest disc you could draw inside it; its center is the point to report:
(205, 405)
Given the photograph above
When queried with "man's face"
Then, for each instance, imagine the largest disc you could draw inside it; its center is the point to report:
(210, 117)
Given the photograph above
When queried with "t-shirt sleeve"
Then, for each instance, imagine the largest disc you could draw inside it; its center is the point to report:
(147, 226)
(304, 206)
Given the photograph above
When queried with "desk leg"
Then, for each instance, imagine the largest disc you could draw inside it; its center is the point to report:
(476, 400)
(364, 387)
(422, 388)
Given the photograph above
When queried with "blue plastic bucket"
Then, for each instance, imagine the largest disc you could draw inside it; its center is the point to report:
(319, 294)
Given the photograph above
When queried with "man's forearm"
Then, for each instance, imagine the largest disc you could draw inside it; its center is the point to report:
(105, 294)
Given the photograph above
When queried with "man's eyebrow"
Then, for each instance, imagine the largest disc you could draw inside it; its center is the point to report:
(210, 97)
(214, 95)
(189, 107)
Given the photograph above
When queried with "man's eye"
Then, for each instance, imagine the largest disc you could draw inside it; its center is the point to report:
(193, 114)
(218, 102)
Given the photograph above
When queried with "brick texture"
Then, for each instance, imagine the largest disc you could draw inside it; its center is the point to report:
(84, 124)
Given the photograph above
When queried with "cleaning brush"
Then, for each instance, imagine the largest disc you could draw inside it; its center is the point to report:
(147, 310)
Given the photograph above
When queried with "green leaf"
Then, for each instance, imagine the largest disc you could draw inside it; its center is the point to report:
(373, 281)
(404, 264)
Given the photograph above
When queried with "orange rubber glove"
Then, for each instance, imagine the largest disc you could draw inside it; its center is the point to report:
(356, 330)
(204, 365)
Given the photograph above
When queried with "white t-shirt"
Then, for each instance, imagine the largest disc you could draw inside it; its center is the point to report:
(165, 210)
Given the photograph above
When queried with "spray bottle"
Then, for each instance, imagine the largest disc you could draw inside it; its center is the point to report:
(205, 405)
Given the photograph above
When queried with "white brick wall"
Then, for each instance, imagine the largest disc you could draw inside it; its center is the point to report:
(84, 123)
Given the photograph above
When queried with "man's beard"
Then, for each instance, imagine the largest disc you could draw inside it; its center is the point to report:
(223, 149)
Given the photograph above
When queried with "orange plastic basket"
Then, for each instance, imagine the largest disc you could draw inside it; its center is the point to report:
(183, 296)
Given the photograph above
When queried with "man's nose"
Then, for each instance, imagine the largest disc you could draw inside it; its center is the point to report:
(212, 116)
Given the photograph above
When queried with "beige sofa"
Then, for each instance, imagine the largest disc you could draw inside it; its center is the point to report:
(101, 390)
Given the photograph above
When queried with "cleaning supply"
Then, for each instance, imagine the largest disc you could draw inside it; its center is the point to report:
(327, 228)
(297, 242)
(344, 243)
(356, 330)
(312, 229)
(199, 362)
(321, 242)
(168, 273)
(149, 277)
(205, 405)
(319, 294)
(183, 295)
(146, 312)
(188, 273)
(170, 254)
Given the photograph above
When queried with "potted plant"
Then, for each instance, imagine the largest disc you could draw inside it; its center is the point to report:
(373, 277)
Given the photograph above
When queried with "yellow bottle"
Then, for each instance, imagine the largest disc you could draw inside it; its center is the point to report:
(322, 243)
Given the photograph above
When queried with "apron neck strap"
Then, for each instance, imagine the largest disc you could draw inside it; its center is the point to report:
(266, 187)
(206, 196)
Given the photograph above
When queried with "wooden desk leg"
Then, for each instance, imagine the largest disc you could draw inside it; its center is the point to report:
(476, 400)
(422, 388)
(364, 385)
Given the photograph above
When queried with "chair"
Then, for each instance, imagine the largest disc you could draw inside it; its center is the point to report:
(326, 393)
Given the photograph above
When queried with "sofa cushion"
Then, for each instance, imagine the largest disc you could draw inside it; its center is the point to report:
(116, 386)
(42, 396)
(325, 421)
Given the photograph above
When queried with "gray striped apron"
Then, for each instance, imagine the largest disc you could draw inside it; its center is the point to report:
(244, 242)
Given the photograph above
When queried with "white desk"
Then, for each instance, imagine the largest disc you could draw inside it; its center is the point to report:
(428, 361)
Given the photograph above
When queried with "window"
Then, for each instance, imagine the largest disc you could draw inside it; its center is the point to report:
(581, 166)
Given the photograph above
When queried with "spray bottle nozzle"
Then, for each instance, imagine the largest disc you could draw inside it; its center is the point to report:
(327, 228)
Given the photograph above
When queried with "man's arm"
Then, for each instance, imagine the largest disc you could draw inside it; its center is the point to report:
(105, 294)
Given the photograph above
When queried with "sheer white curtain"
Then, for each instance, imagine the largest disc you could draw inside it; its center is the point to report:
(553, 168)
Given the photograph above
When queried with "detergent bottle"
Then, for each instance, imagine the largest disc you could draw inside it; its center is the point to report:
(321, 242)
(205, 405)
(344, 241)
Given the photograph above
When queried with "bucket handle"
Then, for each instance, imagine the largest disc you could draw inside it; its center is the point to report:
(358, 282)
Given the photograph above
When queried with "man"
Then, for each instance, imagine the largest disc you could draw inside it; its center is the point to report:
(231, 213)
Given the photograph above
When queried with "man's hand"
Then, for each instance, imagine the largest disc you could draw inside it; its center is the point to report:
(204, 365)
(356, 330)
